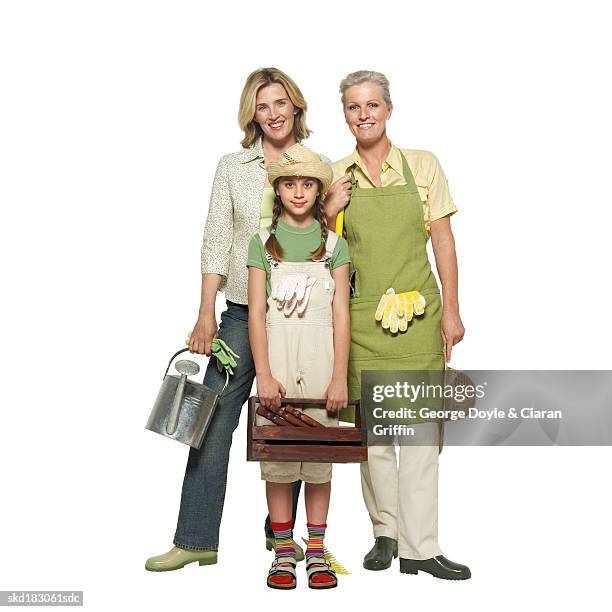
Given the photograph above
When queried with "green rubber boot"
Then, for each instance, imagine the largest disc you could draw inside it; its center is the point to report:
(176, 558)
(299, 551)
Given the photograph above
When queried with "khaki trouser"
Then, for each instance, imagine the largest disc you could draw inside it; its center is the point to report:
(402, 498)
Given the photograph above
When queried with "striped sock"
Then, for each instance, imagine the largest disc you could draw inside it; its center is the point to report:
(316, 533)
(283, 547)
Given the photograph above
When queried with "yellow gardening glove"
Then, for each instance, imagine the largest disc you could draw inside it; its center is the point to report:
(410, 303)
(387, 310)
(340, 222)
(396, 310)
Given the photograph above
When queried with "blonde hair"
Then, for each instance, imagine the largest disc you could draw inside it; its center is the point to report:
(246, 113)
(273, 246)
(366, 76)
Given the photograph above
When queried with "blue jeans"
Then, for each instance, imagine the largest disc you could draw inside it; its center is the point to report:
(205, 479)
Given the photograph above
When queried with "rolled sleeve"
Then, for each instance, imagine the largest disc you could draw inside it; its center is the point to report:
(439, 200)
(219, 228)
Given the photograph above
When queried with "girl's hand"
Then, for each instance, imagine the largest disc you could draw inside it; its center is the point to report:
(270, 391)
(452, 331)
(338, 195)
(336, 395)
(204, 332)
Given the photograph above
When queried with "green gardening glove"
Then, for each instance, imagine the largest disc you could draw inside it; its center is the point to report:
(226, 358)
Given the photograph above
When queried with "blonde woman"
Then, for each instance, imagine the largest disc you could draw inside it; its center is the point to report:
(272, 116)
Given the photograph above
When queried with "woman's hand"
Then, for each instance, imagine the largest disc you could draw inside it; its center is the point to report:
(269, 391)
(204, 332)
(338, 196)
(336, 395)
(452, 331)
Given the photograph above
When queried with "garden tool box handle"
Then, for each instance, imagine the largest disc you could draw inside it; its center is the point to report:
(359, 410)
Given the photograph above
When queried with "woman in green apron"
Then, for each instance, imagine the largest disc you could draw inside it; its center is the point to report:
(398, 198)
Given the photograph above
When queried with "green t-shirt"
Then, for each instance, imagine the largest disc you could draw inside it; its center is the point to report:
(298, 243)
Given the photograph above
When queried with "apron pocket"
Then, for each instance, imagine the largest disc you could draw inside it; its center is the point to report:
(370, 341)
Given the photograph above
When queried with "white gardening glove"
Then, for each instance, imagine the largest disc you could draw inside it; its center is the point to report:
(278, 292)
(293, 291)
(301, 306)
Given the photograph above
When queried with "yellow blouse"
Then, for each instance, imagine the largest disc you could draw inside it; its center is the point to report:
(428, 176)
(267, 204)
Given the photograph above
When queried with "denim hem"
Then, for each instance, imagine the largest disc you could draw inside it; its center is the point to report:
(196, 548)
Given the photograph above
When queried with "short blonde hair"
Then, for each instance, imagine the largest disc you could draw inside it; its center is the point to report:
(366, 76)
(246, 113)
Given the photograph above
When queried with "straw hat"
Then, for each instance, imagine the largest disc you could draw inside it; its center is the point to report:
(297, 160)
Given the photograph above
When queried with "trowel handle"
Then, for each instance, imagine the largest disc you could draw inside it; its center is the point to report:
(175, 412)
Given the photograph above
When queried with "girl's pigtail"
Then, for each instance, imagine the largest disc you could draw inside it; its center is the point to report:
(319, 214)
(273, 246)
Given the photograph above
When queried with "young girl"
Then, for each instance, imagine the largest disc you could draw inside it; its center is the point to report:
(299, 331)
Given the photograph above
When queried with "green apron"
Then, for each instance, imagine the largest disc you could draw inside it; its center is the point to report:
(387, 243)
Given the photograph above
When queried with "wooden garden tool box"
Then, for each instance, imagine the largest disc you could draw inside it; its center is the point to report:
(289, 442)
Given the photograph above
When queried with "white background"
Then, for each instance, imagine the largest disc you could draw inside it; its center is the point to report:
(113, 116)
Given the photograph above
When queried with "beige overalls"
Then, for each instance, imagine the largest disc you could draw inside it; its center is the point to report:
(299, 324)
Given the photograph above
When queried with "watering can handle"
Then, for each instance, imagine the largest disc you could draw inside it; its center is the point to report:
(185, 350)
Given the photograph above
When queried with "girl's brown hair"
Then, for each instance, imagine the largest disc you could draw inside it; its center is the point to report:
(274, 247)
(246, 113)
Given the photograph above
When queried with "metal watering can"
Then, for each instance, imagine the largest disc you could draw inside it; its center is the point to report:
(184, 408)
